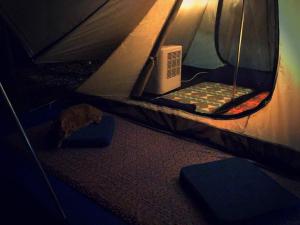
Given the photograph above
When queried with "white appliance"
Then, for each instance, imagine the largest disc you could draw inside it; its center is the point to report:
(166, 75)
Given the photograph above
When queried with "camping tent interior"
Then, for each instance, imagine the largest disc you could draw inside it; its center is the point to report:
(230, 69)
(229, 48)
(229, 54)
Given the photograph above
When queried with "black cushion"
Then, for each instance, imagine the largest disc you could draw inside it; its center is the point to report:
(92, 136)
(235, 190)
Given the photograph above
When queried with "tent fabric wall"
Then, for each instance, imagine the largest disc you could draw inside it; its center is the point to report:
(41, 22)
(101, 34)
(202, 53)
(119, 73)
(278, 122)
(64, 31)
(259, 33)
(182, 30)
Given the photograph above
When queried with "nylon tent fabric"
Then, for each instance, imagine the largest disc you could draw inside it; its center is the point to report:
(40, 22)
(278, 122)
(195, 31)
(259, 36)
(202, 53)
(182, 20)
(184, 27)
(117, 76)
(61, 31)
(101, 34)
(217, 40)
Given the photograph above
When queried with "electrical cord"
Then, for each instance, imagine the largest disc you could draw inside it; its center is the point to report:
(196, 75)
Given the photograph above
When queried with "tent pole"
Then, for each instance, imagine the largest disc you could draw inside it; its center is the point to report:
(238, 59)
(32, 152)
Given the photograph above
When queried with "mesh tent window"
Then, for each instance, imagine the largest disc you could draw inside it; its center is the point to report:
(260, 41)
(236, 40)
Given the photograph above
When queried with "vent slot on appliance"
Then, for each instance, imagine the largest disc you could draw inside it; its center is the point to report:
(174, 64)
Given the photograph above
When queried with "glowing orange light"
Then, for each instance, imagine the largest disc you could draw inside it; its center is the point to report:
(189, 4)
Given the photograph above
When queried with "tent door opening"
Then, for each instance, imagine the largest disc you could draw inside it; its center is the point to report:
(228, 54)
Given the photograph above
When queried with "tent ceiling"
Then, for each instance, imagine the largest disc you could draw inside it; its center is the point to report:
(39, 23)
(101, 34)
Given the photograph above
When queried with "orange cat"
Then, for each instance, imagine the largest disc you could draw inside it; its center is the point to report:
(74, 118)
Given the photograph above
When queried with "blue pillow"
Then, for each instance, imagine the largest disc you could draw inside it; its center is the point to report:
(235, 190)
(92, 136)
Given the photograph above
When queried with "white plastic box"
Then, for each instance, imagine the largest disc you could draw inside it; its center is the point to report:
(166, 75)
